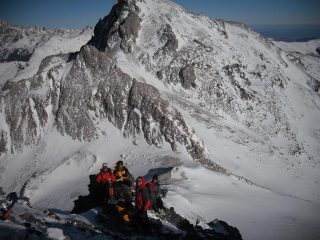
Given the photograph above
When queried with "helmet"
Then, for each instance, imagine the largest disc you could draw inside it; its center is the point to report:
(104, 166)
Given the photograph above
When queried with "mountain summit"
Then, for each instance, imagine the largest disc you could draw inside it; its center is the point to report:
(94, 87)
(162, 88)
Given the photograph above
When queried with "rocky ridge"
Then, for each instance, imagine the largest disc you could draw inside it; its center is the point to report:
(101, 222)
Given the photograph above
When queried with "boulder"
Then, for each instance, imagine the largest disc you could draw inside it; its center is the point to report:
(187, 77)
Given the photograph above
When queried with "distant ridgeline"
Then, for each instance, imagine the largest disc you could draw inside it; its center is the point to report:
(289, 33)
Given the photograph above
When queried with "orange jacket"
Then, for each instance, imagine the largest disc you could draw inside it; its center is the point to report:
(105, 176)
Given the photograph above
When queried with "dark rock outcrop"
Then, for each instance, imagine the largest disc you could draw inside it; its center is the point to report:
(19, 54)
(169, 45)
(25, 107)
(25, 113)
(112, 221)
(187, 77)
(77, 100)
(318, 50)
(130, 105)
(3, 142)
(119, 28)
(314, 84)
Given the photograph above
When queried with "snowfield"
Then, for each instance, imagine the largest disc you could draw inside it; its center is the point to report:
(253, 104)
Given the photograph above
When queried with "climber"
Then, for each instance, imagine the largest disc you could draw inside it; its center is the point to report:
(124, 206)
(154, 189)
(122, 174)
(7, 204)
(105, 174)
(122, 199)
(123, 182)
(106, 178)
(142, 200)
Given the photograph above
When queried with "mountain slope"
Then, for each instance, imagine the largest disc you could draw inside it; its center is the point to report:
(155, 78)
(23, 49)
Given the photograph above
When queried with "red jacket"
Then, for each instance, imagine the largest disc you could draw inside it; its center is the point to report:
(154, 189)
(143, 201)
(105, 176)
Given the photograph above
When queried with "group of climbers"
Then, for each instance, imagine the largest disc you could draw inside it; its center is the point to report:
(115, 184)
(116, 187)
(118, 190)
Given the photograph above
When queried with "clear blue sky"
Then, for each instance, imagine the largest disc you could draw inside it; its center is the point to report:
(79, 13)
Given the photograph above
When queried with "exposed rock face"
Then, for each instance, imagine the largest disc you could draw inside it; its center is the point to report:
(73, 116)
(118, 29)
(128, 31)
(25, 107)
(19, 115)
(318, 50)
(149, 114)
(187, 77)
(130, 105)
(21, 54)
(167, 48)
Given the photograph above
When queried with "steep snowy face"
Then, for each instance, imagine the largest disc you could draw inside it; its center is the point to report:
(227, 75)
(238, 91)
(75, 92)
(231, 71)
(306, 56)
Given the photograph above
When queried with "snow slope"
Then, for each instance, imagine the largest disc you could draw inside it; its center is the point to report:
(251, 97)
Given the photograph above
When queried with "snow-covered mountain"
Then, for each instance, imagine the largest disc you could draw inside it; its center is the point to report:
(23, 49)
(233, 115)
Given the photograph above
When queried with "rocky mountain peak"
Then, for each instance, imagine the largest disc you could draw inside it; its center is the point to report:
(119, 28)
(78, 90)
(133, 106)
